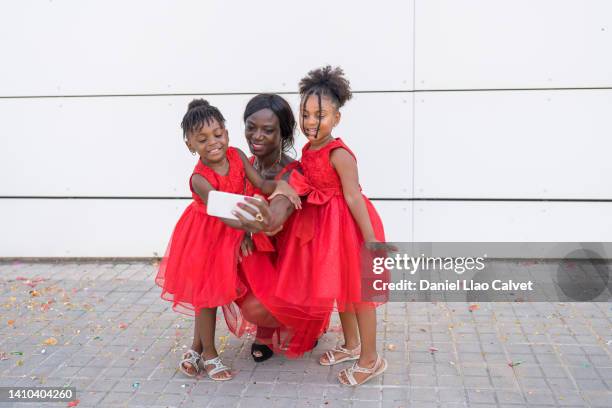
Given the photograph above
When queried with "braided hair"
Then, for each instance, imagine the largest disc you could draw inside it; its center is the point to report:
(325, 81)
(200, 112)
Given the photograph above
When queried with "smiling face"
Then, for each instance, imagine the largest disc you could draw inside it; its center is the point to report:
(324, 117)
(210, 142)
(263, 134)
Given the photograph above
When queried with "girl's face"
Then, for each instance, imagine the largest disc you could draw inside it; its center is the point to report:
(309, 118)
(262, 132)
(210, 142)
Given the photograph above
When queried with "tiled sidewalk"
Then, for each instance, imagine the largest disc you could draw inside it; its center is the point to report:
(119, 344)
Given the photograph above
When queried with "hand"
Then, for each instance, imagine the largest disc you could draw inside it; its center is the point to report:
(276, 231)
(261, 207)
(246, 248)
(283, 188)
(373, 244)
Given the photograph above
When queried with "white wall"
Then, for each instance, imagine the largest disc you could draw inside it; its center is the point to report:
(469, 114)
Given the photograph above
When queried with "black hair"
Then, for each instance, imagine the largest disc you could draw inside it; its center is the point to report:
(281, 109)
(325, 81)
(200, 112)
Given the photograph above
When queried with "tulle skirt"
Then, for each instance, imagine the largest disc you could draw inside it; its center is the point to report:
(199, 269)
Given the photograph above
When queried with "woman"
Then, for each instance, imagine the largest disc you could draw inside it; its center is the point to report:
(269, 127)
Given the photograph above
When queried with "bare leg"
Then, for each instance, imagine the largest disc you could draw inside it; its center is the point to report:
(207, 324)
(350, 332)
(366, 321)
(196, 345)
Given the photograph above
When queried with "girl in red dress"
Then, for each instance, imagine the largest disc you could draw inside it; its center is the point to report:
(320, 266)
(199, 270)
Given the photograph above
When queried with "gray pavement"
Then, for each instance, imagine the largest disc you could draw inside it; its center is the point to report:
(103, 328)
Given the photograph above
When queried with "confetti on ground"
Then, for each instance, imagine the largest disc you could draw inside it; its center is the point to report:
(433, 349)
(11, 322)
(51, 341)
(19, 363)
(43, 351)
(391, 347)
(97, 338)
(17, 353)
(74, 403)
(123, 326)
(473, 307)
(514, 363)
(135, 385)
(34, 293)
(3, 356)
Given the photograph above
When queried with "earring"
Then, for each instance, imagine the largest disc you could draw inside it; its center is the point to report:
(192, 153)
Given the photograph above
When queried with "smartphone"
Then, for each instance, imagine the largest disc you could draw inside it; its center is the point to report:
(221, 204)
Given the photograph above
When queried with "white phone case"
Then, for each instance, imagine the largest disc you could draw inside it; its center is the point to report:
(221, 204)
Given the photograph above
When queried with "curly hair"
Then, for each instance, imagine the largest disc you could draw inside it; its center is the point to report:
(200, 112)
(327, 81)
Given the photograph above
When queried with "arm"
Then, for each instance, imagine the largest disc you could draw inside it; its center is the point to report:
(346, 167)
(266, 186)
(202, 187)
(275, 214)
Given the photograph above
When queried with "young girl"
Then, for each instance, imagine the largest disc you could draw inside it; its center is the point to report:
(199, 271)
(321, 265)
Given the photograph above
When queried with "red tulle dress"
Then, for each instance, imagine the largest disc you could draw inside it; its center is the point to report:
(199, 269)
(320, 264)
(259, 275)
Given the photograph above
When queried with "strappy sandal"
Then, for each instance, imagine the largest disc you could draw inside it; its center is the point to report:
(380, 366)
(219, 368)
(193, 358)
(349, 355)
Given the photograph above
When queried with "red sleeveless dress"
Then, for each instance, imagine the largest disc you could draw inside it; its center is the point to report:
(199, 268)
(320, 264)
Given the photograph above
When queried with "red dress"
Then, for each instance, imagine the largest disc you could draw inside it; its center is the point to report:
(320, 264)
(199, 268)
(259, 275)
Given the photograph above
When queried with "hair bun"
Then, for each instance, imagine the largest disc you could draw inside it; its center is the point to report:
(330, 81)
(196, 103)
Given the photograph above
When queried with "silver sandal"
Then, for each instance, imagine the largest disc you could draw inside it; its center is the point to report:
(380, 366)
(350, 355)
(219, 368)
(193, 358)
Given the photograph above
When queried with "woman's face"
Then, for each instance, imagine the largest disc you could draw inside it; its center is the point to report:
(262, 133)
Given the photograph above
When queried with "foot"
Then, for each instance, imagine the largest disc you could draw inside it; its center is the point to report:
(222, 375)
(361, 372)
(261, 352)
(340, 354)
(189, 365)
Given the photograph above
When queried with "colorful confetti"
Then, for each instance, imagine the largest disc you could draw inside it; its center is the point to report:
(51, 341)
(473, 307)
(74, 403)
(514, 363)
